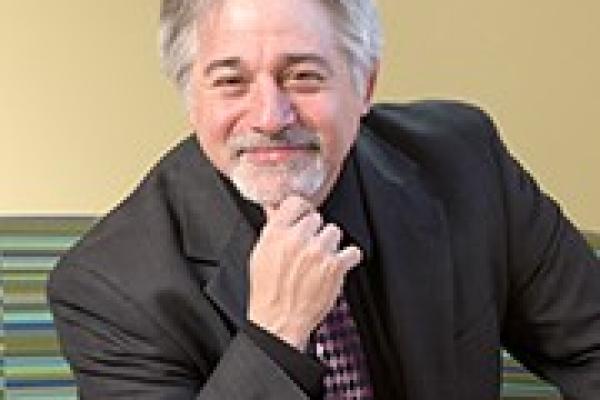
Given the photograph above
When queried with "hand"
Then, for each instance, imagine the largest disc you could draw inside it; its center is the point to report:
(296, 271)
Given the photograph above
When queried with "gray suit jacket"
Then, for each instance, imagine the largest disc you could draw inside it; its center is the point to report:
(470, 256)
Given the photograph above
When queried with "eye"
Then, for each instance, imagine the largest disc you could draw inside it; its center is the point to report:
(229, 84)
(305, 80)
(227, 81)
(308, 76)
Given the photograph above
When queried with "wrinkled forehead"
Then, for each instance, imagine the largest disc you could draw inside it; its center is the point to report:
(269, 16)
(262, 7)
(240, 28)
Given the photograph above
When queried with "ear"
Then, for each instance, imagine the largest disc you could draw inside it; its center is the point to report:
(370, 83)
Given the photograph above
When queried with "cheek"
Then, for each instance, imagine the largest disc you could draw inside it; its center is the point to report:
(318, 114)
(214, 123)
(334, 121)
(213, 115)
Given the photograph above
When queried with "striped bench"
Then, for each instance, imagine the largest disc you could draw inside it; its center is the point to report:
(33, 368)
(32, 365)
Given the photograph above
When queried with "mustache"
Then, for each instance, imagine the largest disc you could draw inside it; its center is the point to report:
(290, 137)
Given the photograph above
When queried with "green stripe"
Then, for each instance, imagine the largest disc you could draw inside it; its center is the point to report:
(11, 263)
(31, 372)
(16, 277)
(41, 394)
(27, 316)
(11, 307)
(37, 243)
(46, 225)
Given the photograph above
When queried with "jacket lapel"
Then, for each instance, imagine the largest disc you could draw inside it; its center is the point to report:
(229, 287)
(215, 235)
(412, 280)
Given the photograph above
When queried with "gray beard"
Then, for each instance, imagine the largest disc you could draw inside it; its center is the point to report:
(270, 185)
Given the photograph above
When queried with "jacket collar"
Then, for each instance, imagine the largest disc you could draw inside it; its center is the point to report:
(206, 215)
(213, 232)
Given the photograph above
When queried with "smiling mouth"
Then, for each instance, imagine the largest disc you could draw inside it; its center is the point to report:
(275, 152)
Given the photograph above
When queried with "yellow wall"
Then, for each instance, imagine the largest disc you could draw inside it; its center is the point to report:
(84, 111)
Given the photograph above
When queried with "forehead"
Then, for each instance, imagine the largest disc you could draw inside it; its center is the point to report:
(238, 28)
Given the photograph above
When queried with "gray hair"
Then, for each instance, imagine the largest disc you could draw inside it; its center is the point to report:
(356, 22)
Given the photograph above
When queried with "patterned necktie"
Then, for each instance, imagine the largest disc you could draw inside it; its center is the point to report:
(336, 344)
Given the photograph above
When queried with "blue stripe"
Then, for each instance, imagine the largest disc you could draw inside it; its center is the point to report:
(34, 362)
(54, 383)
(28, 326)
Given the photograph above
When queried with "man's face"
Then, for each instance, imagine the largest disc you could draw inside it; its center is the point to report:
(274, 105)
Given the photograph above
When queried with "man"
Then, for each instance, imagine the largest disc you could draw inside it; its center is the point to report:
(303, 244)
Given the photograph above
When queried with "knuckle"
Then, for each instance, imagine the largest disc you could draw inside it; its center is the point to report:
(344, 264)
(313, 248)
(275, 222)
(314, 220)
(298, 203)
(333, 263)
(317, 218)
(337, 234)
(333, 230)
(291, 202)
(293, 242)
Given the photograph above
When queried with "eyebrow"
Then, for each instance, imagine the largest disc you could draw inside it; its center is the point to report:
(299, 58)
(287, 59)
(231, 62)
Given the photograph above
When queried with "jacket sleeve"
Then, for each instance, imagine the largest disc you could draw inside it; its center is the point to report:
(118, 351)
(552, 323)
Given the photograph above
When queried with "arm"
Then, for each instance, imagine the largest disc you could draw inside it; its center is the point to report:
(118, 351)
(552, 323)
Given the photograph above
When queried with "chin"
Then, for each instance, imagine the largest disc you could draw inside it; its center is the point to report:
(269, 187)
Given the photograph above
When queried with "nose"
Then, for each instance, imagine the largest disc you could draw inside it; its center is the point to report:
(271, 109)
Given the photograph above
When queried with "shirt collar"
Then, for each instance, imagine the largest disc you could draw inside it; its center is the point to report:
(346, 208)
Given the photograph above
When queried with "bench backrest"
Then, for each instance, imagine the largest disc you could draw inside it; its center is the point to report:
(33, 365)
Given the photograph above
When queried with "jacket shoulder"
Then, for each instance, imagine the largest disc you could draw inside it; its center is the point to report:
(442, 121)
(446, 138)
(138, 233)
